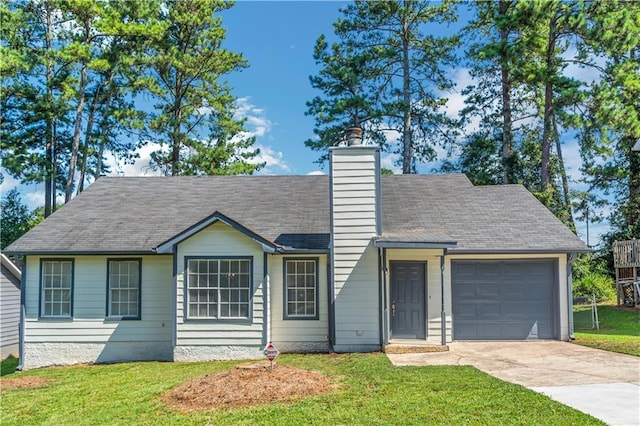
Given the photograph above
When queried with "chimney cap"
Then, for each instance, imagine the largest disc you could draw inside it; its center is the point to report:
(353, 136)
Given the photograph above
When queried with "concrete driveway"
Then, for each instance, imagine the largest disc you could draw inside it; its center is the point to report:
(603, 384)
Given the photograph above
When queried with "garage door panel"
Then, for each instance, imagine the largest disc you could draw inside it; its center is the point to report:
(490, 331)
(505, 300)
(468, 310)
(515, 291)
(466, 289)
(489, 310)
(487, 290)
(467, 270)
(488, 271)
(515, 309)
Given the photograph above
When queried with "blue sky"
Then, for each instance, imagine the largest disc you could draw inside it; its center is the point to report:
(277, 39)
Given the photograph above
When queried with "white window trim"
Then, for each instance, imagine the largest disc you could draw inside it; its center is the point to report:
(109, 315)
(42, 312)
(285, 308)
(249, 289)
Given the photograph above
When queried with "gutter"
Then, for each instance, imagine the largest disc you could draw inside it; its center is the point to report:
(570, 259)
(23, 315)
(518, 251)
(443, 313)
(266, 321)
(382, 301)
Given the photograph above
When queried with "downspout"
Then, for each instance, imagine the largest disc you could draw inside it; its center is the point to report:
(443, 313)
(570, 258)
(174, 251)
(330, 269)
(331, 297)
(23, 314)
(385, 311)
(266, 321)
(381, 302)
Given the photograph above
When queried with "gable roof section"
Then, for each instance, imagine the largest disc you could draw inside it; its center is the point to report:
(11, 267)
(139, 214)
(167, 246)
(487, 219)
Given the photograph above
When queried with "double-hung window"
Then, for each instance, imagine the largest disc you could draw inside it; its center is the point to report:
(57, 288)
(123, 288)
(301, 288)
(218, 288)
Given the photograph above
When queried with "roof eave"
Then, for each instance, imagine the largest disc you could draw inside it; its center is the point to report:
(416, 244)
(294, 250)
(79, 252)
(520, 251)
(12, 267)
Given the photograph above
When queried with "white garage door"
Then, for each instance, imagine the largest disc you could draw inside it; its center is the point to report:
(504, 300)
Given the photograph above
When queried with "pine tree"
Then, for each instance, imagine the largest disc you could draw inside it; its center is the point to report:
(194, 112)
(403, 77)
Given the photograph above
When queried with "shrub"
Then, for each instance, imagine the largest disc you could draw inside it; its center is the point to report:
(603, 286)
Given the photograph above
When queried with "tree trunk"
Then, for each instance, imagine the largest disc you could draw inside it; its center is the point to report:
(565, 180)
(545, 174)
(76, 135)
(54, 172)
(87, 139)
(176, 136)
(407, 150)
(78, 122)
(507, 125)
(633, 216)
(103, 132)
(49, 183)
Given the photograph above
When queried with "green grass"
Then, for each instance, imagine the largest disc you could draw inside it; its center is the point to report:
(619, 329)
(370, 391)
(8, 366)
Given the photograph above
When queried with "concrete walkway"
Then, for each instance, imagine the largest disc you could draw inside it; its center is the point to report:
(603, 384)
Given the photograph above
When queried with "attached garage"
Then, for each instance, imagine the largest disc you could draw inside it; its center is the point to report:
(505, 299)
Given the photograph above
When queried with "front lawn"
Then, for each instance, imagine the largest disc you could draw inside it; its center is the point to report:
(368, 390)
(619, 329)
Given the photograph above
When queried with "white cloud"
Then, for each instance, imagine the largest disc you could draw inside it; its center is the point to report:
(257, 123)
(141, 166)
(572, 160)
(581, 72)
(32, 195)
(8, 182)
(455, 102)
(274, 161)
(316, 173)
(389, 161)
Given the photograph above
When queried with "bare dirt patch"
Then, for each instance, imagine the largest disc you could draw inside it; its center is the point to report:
(247, 385)
(23, 382)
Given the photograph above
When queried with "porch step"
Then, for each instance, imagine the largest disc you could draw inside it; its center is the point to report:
(400, 348)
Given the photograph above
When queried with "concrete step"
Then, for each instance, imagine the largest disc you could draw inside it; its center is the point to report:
(403, 348)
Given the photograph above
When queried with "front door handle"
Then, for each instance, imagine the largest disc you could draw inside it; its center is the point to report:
(393, 308)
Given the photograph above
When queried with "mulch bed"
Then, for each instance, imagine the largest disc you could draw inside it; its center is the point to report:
(245, 385)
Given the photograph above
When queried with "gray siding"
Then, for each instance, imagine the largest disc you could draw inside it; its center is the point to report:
(9, 313)
(89, 336)
(354, 209)
(292, 334)
(220, 240)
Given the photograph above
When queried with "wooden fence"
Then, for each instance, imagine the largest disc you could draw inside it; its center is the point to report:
(626, 260)
(626, 254)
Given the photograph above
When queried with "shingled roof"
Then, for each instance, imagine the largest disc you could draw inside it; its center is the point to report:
(137, 214)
